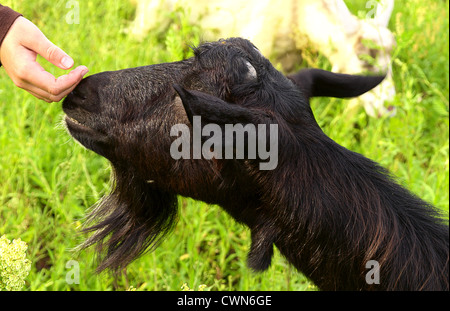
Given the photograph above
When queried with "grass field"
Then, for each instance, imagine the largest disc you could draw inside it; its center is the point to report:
(47, 181)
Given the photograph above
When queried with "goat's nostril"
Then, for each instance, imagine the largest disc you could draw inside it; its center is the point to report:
(78, 94)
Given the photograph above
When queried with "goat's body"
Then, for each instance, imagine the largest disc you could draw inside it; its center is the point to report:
(343, 216)
(331, 211)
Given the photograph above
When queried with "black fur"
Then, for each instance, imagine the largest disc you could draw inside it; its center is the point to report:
(327, 209)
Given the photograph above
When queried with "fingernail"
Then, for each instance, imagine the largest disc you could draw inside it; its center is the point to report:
(67, 62)
(84, 71)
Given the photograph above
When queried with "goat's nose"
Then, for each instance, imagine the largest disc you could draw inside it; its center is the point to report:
(79, 94)
(84, 96)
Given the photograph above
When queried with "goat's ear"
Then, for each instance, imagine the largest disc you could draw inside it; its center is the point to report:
(213, 109)
(317, 82)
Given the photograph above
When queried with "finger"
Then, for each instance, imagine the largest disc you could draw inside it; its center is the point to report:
(48, 88)
(39, 96)
(56, 56)
(44, 95)
(44, 80)
(63, 94)
(67, 81)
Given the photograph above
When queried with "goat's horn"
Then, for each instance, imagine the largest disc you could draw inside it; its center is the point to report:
(384, 12)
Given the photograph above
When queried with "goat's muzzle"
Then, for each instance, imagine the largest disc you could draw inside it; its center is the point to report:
(81, 120)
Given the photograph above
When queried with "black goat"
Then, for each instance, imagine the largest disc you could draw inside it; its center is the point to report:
(328, 210)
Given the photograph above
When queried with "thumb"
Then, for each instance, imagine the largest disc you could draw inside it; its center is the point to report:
(55, 55)
(33, 38)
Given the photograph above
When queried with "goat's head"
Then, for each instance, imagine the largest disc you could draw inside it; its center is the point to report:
(127, 117)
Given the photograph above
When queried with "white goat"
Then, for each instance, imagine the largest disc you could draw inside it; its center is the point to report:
(279, 29)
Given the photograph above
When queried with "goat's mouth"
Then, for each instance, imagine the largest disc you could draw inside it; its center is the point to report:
(75, 126)
(88, 137)
(71, 122)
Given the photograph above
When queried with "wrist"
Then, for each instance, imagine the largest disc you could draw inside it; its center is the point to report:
(7, 19)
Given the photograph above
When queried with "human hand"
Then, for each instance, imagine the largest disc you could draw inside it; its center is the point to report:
(18, 53)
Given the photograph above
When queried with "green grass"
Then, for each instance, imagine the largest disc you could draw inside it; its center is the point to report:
(47, 181)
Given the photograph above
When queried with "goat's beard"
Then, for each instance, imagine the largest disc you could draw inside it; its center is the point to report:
(130, 221)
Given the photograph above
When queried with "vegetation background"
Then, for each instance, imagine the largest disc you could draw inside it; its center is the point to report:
(47, 181)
